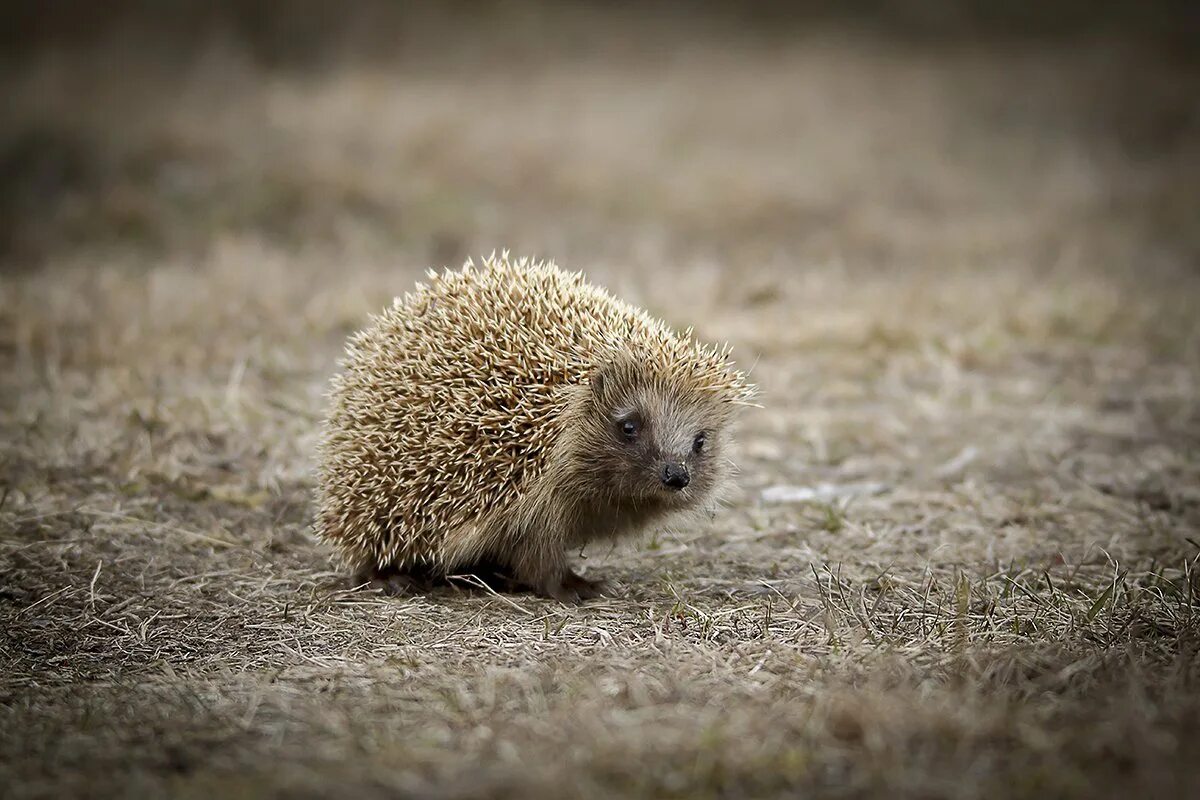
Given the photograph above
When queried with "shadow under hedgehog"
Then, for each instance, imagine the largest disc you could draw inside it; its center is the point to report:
(502, 415)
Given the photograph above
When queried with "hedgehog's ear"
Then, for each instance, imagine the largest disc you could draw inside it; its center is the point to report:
(612, 379)
(599, 381)
(604, 381)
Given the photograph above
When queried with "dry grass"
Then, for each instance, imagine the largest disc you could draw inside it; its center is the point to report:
(966, 281)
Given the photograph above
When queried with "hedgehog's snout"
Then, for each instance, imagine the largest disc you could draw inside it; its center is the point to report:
(675, 476)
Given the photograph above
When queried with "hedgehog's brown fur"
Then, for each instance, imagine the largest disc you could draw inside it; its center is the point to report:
(481, 420)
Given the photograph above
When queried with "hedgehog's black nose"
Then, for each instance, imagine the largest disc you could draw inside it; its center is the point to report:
(675, 476)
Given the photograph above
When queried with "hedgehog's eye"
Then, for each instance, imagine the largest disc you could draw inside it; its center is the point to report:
(699, 442)
(630, 428)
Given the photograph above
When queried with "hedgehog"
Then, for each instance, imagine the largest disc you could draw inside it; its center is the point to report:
(501, 416)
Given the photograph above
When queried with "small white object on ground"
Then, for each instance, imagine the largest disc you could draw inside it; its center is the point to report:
(958, 463)
(822, 492)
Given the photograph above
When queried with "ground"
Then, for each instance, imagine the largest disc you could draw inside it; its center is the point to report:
(965, 279)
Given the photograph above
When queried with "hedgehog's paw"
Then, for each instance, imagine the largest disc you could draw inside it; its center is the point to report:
(556, 589)
(568, 588)
(556, 581)
(584, 588)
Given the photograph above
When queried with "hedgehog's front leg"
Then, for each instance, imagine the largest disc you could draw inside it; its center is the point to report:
(543, 568)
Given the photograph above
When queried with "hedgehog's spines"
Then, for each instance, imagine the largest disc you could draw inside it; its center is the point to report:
(454, 400)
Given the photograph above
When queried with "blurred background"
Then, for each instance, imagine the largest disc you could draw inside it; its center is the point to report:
(880, 133)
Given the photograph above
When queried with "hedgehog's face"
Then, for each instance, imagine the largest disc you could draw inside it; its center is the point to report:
(654, 447)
